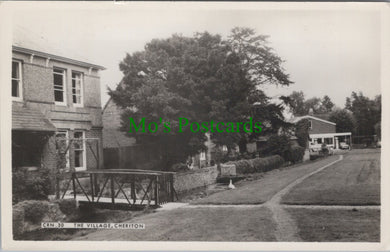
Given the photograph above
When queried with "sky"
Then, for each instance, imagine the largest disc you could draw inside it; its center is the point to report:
(326, 52)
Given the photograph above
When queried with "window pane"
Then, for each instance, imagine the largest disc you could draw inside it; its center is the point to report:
(58, 96)
(78, 134)
(58, 70)
(78, 144)
(78, 159)
(15, 88)
(15, 70)
(58, 80)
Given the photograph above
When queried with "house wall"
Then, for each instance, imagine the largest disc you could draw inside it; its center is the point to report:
(111, 116)
(38, 93)
(321, 127)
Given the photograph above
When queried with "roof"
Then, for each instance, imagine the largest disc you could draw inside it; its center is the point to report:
(29, 119)
(114, 138)
(26, 41)
(296, 119)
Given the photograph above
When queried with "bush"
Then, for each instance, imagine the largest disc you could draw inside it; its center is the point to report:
(244, 166)
(34, 210)
(30, 186)
(295, 154)
(179, 167)
(258, 164)
(17, 221)
(68, 206)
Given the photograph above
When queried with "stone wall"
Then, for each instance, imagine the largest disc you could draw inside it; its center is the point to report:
(194, 179)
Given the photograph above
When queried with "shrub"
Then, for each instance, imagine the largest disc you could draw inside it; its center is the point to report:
(295, 154)
(68, 206)
(243, 166)
(34, 210)
(258, 164)
(179, 167)
(17, 221)
(30, 186)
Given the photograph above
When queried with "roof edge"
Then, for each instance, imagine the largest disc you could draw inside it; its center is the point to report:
(56, 57)
(315, 118)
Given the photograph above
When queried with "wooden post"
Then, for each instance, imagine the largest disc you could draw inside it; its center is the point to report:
(74, 185)
(57, 187)
(133, 194)
(92, 190)
(171, 189)
(156, 192)
(112, 190)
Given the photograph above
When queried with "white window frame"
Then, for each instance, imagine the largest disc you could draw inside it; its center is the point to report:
(63, 103)
(60, 131)
(84, 167)
(81, 104)
(20, 80)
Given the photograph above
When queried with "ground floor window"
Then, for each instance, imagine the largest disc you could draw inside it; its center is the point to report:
(79, 150)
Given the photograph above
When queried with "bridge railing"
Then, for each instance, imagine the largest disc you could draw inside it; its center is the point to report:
(121, 186)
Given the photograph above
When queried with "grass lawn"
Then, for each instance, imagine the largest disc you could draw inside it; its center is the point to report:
(261, 190)
(353, 181)
(336, 225)
(197, 224)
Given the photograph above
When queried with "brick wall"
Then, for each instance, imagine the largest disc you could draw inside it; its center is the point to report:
(37, 83)
(95, 147)
(321, 127)
(111, 115)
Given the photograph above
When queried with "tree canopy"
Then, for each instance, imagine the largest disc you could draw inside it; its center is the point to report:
(367, 112)
(300, 106)
(344, 119)
(201, 78)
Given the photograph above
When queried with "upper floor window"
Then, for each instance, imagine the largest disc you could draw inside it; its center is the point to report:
(17, 80)
(310, 124)
(59, 86)
(77, 88)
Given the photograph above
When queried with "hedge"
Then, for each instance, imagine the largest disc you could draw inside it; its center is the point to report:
(258, 164)
(34, 210)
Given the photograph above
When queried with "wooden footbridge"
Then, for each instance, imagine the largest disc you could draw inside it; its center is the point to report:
(121, 188)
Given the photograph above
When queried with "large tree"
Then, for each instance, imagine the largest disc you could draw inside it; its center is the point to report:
(344, 119)
(367, 112)
(201, 78)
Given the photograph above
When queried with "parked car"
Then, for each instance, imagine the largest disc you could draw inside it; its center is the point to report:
(344, 146)
(320, 150)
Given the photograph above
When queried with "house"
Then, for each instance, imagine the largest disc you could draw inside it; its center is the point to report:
(56, 110)
(324, 131)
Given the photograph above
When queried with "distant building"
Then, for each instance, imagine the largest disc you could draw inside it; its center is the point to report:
(120, 150)
(56, 110)
(324, 131)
